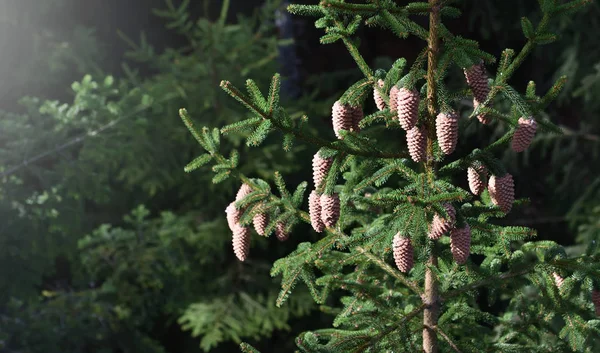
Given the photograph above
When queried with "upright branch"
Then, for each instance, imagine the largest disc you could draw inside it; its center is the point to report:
(431, 297)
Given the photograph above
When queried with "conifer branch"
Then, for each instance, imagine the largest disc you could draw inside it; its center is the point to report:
(447, 339)
(391, 271)
(485, 281)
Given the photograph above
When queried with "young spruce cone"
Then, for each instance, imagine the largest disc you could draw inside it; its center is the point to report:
(502, 191)
(408, 108)
(439, 225)
(241, 242)
(314, 210)
(280, 232)
(260, 221)
(477, 176)
(460, 244)
(596, 301)
(244, 191)
(524, 134)
(416, 138)
(320, 169)
(394, 98)
(403, 253)
(379, 102)
(478, 81)
(233, 216)
(558, 280)
(482, 117)
(330, 209)
(446, 126)
(357, 116)
(343, 118)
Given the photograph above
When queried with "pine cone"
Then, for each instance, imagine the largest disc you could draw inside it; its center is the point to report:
(439, 225)
(394, 98)
(280, 232)
(244, 191)
(558, 280)
(314, 209)
(478, 81)
(446, 126)
(260, 221)
(460, 244)
(233, 216)
(357, 116)
(343, 117)
(482, 117)
(524, 134)
(408, 108)
(477, 176)
(330, 209)
(379, 102)
(403, 253)
(596, 301)
(320, 169)
(416, 139)
(502, 191)
(241, 242)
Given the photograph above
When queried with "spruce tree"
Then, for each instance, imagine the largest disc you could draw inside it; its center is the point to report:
(393, 186)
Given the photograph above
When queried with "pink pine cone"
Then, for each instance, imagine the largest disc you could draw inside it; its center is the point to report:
(446, 126)
(379, 102)
(314, 210)
(502, 191)
(394, 98)
(408, 108)
(477, 176)
(439, 225)
(596, 301)
(482, 117)
(524, 134)
(241, 242)
(260, 222)
(357, 116)
(280, 232)
(320, 169)
(244, 191)
(416, 139)
(233, 216)
(330, 209)
(460, 244)
(342, 117)
(558, 280)
(403, 253)
(478, 82)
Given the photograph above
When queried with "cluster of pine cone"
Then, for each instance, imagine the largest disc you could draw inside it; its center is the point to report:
(324, 210)
(240, 234)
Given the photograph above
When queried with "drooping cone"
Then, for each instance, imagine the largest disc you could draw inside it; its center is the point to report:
(524, 134)
(394, 98)
(460, 244)
(244, 191)
(596, 301)
(408, 108)
(403, 253)
(558, 280)
(241, 242)
(233, 216)
(502, 191)
(330, 209)
(280, 232)
(357, 116)
(320, 168)
(478, 82)
(439, 225)
(446, 126)
(314, 210)
(343, 117)
(482, 117)
(416, 139)
(379, 102)
(477, 176)
(260, 222)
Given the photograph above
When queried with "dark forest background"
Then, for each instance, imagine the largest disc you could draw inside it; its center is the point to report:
(106, 245)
